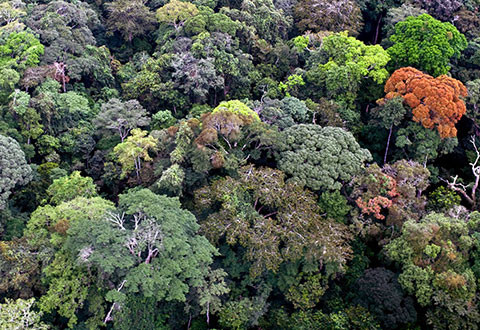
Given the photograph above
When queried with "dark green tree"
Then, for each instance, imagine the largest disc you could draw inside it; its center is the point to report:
(443, 10)
(267, 22)
(283, 113)
(149, 245)
(390, 114)
(65, 29)
(336, 16)
(131, 18)
(321, 158)
(378, 291)
(196, 78)
(422, 144)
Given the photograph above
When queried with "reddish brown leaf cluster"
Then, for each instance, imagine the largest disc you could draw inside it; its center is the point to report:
(37, 75)
(435, 102)
(375, 204)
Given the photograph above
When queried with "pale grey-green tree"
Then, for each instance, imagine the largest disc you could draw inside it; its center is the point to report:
(121, 117)
(14, 169)
(18, 315)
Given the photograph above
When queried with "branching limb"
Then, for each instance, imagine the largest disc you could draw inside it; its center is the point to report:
(461, 188)
(114, 305)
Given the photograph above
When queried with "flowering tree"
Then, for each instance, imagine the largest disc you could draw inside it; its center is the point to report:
(435, 102)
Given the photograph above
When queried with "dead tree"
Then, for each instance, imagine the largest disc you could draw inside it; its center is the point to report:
(461, 188)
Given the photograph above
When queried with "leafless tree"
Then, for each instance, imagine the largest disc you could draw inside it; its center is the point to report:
(463, 189)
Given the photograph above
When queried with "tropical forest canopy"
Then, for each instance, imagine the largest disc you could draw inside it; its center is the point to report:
(239, 164)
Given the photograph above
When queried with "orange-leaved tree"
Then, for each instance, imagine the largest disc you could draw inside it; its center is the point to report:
(435, 102)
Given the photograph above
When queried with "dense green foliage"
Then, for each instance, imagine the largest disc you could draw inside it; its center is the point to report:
(320, 157)
(250, 164)
(14, 169)
(425, 43)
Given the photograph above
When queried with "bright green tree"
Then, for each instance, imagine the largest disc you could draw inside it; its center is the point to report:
(236, 107)
(19, 314)
(349, 63)
(20, 51)
(426, 44)
(293, 83)
(135, 148)
(232, 134)
(334, 205)
(208, 20)
(69, 187)
(69, 288)
(360, 60)
(176, 12)
(68, 285)
(163, 119)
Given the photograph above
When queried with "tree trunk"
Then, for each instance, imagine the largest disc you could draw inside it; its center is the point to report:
(388, 145)
(377, 30)
(208, 313)
(114, 305)
(137, 167)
